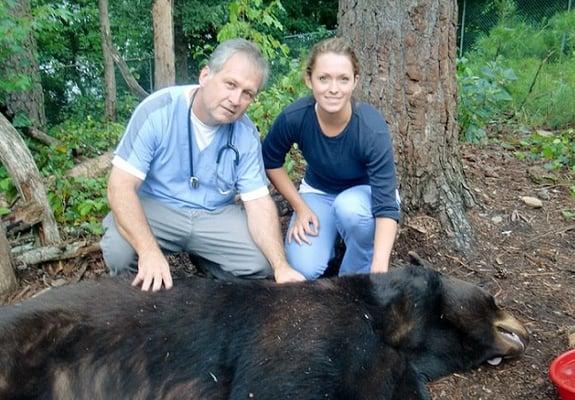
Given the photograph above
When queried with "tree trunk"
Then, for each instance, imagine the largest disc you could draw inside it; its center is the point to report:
(7, 275)
(181, 50)
(25, 62)
(406, 51)
(24, 173)
(132, 83)
(109, 76)
(164, 59)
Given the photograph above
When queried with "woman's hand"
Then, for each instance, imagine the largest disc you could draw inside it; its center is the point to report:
(305, 223)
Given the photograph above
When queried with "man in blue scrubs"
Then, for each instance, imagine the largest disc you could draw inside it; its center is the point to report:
(186, 153)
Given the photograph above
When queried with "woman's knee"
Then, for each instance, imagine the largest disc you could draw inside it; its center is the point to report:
(352, 210)
(308, 262)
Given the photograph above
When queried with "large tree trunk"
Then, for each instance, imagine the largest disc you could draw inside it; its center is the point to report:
(109, 76)
(7, 276)
(24, 173)
(407, 51)
(25, 62)
(164, 59)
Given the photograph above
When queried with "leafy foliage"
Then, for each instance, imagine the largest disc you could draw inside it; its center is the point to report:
(558, 150)
(542, 56)
(253, 20)
(483, 95)
(272, 101)
(78, 203)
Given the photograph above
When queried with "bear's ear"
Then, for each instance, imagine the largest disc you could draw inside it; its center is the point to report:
(416, 259)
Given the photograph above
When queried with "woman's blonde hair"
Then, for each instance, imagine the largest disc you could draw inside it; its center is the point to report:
(334, 45)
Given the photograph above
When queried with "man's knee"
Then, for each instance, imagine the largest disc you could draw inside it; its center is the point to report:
(119, 256)
(255, 267)
(119, 262)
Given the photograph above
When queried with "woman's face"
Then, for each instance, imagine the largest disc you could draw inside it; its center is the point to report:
(332, 82)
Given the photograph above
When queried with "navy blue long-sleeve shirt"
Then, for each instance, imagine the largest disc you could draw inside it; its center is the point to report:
(361, 154)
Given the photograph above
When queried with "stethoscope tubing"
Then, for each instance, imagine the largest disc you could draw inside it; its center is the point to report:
(194, 180)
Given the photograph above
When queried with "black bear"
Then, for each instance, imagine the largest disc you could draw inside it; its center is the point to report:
(380, 336)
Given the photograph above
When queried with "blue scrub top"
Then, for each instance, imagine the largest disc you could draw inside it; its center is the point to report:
(156, 149)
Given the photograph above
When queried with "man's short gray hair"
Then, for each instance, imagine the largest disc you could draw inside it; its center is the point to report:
(230, 47)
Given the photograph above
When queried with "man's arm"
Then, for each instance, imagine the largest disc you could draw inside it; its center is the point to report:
(264, 227)
(153, 268)
(385, 229)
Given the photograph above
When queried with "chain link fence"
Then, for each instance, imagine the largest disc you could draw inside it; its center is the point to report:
(477, 17)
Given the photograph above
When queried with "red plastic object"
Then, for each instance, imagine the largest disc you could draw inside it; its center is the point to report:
(562, 374)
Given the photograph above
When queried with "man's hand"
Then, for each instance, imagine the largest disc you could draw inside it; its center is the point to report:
(153, 271)
(285, 274)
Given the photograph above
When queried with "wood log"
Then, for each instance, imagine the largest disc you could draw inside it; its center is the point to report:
(7, 276)
(92, 167)
(42, 137)
(24, 217)
(54, 253)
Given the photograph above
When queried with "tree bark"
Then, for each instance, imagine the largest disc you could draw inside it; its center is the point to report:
(54, 253)
(24, 173)
(132, 83)
(109, 76)
(42, 137)
(7, 276)
(181, 50)
(25, 62)
(164, 58)
(92, 167)
(407, 53)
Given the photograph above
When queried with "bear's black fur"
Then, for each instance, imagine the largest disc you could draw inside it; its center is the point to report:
(380, 336)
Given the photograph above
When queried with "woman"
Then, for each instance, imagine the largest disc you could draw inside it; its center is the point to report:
(349, 187)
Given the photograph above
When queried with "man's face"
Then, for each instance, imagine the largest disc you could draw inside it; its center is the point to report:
(225, 95)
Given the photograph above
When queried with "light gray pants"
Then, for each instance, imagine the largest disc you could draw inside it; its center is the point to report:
(220, 237)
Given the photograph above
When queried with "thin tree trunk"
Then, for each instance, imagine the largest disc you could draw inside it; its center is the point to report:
(25, 62)
(407, 55)
(181, 51)
(164, 59)
(7, 276)
(109, 76)
(132, 83)
(24, 173)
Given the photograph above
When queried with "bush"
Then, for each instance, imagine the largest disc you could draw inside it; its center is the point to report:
(531, 81)
(483, 97)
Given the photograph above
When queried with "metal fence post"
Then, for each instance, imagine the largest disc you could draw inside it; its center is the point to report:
(462, 34)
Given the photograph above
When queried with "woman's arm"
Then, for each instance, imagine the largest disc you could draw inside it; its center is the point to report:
(385, 229)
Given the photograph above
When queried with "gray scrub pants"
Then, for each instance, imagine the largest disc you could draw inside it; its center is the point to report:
(220, 237)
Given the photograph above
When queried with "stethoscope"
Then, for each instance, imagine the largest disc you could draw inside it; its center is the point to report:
(194, 180)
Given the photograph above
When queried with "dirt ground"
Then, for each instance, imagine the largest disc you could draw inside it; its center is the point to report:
(524, 256)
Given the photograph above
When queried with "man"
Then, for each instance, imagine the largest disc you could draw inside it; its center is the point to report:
(185, 154)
